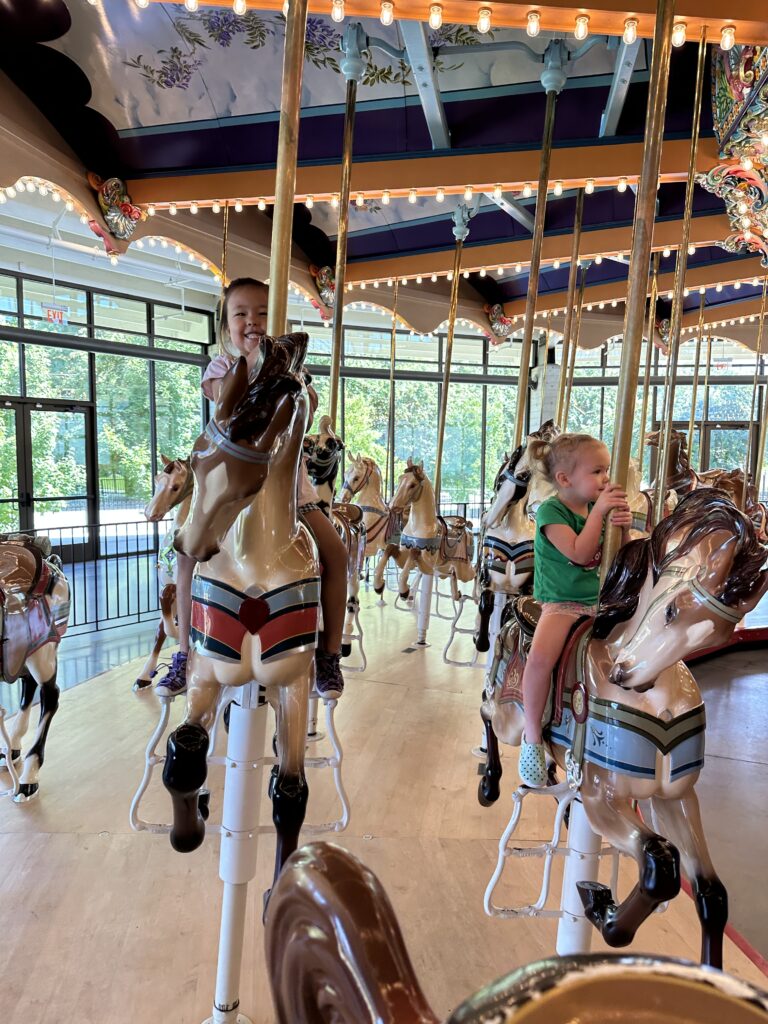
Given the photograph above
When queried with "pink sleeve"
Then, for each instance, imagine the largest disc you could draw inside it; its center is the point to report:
(215, 370)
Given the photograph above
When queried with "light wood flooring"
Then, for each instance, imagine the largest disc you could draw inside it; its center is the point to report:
(103, 926)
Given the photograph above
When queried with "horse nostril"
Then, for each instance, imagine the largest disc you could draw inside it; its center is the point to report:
(617, 673)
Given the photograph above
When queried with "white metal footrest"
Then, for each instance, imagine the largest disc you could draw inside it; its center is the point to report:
(334, 763)
(8, 766)
(457, 630)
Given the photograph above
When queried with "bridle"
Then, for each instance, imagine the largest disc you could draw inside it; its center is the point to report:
(420, 478)
(219, 440)
(366, 477)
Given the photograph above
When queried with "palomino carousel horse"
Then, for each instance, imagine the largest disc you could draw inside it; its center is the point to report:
(383, 525)
(256, 588)
(433, 543)
(626, 718)
(335, 952)
(323, 453)
(34, 613)
(173, 490)
(505, 558)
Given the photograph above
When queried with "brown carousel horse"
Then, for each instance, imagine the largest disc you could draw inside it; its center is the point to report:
(34, 613)
(335, 952)
(383, 525)
(323, 453)
(256, 587)
(173, 490)
(626, 718)
(433, 543)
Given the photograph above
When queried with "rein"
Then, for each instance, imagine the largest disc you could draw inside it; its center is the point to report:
(222, 442)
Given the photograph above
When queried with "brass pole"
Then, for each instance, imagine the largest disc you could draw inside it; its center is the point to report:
(695, 389)
(337, 338)
(224, 239)
(533, 273)
(574, 347)
(390, 467)
(572, 275)
(648, 361)
(748, 458)
(447, 357)
(681, 265)
(642, 237)
(285, 171)
(705, 403)
(543, 375)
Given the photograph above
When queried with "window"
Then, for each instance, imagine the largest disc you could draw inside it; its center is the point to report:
(54, 307)
(366, 415)
(56, 372)
(9, 368)
(415, 424)
(119, 319)
(462, 447)
(177, 408)
(122, 391)
(8, 305)
(182, 324)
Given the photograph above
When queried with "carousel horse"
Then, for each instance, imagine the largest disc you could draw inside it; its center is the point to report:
(323, 454)
(383, 525)
(335, 952)
(173, 490)
(505, 558)
(433, 543)
(34, 613)
(640, 502)
(625, 716)
(256, 588)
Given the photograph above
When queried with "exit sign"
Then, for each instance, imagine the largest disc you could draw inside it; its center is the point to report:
(57, 314)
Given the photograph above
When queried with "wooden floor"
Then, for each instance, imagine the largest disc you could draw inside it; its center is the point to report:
(103, 926)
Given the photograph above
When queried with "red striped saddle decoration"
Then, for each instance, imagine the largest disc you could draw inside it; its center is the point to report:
(284, 619)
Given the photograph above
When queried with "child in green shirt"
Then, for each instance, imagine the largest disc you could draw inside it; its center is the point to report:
(567, 549)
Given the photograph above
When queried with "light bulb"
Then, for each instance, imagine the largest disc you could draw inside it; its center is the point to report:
(190, 257)
(435, 17)
(139, 243)
(558, 189)
(10, 192)
(418, 279)
(589, 307)
(702, 290)
(518, 268)
(678, 33)
(666, 252)
(113, 260)
(468, 193)
(556, 265)
(622, 185)
(142, 3)
(497, 192)
(262, 205)
(433, 278)
(385, 197)
(630, 31)
(362, 284)
(172, 209)
(686, 292)
(601, 305)
(465, 275)
(691, 249)
(727, 37)
(309, 202)
(389, 283)
(440, 195)
(335, 201)
(404, 282)
(69, 205)
(737, 285)
(3, 198)
(239, 6)
(375, 284)
(598, 259)
(484, 20)
(755, 282)
(718, 287)
(747, 163)
(589, 186)
(193, 207)
(359, 199)
(177, 249)
(499, 271)
(216, 208)
(412, 196)
(614, 303)
(56, 197)
(527, 190)
(337, 10)
(387, 12)
(581, 31)
(191, 5)
(151, 210)
(449, 275)
(534, 24)
(483, 272)
(238, 207)
(43, 190)
(152, 242)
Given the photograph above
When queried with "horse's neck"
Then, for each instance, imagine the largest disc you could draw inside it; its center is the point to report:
(539, 490)
(182, 511)
(326, 492)
(371, 494)
(498, 510)
(423, 519)
(516, 523)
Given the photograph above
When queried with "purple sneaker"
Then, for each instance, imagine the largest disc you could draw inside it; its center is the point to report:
(175, 680)
(329, 681)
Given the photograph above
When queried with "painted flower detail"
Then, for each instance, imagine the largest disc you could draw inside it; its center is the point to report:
(222, 26)
(175, 70)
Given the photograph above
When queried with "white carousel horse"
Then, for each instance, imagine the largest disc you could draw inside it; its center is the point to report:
(383, 525)
(255, 592)
(173, 490)
(626, 718)
(34, 614)
(335, 951)
(323, 454)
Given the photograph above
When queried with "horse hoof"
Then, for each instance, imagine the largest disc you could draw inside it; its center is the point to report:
(596, 899)
(272, 782)
(225, 716)
(488, 791)
(204, 804)
(346, 650)
(141, 684)
(27, 791)
(378, 590)
(405, 594)
(481, 643)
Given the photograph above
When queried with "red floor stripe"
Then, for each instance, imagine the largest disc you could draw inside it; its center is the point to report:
(749, 951)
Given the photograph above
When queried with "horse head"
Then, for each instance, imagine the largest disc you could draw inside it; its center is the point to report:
(708, 573)
(360, 470)
(252, 429)
(410, 486)
(509, 487)
(172, 484)
(324, 455)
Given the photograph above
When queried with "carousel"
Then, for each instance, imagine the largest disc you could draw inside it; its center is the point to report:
(314, 813)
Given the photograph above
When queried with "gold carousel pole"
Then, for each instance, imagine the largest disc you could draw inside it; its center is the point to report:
(764, 420)
(533, 273)
(705, 403)
(574, 347)
(748, 457)
(542, 380)
(695, 388)
(681, 265)
(390, 467)
(460, 232)
(573, 271)
(352, 66)
(285, 171)
(648, 360)
(642, 237)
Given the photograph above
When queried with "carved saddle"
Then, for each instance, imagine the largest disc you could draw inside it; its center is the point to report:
(456, 540)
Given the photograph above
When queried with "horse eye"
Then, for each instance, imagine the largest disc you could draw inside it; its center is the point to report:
(671, 613)
(175, 487)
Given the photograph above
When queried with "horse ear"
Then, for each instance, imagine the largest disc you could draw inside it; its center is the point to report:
(409, 462)
(233, 387)
(351, 458)
(165, 460)
(421, 465)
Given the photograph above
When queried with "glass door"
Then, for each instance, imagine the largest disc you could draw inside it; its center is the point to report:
(725, 445)
(9, 471)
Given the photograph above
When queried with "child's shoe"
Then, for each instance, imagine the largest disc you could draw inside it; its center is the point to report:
(329, 681)
(174, 682)
(532, 766)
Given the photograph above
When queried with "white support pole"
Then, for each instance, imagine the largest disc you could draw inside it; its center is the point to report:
(425, 607)
(574, 933)
(243, 785)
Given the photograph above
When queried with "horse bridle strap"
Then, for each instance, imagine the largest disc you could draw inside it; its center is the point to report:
(220, 440)
(363, 482)
(714, 604)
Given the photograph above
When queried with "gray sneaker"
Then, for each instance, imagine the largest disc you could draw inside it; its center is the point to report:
(175, 681)
(329, 681)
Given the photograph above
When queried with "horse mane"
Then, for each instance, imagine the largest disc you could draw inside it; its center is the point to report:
(706, 510)
(508, 464)
(620, 594)
(277, 376)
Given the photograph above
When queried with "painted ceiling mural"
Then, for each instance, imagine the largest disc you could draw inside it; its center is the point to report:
(164, 65)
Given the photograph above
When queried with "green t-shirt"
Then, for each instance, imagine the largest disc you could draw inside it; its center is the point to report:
(555, 577)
